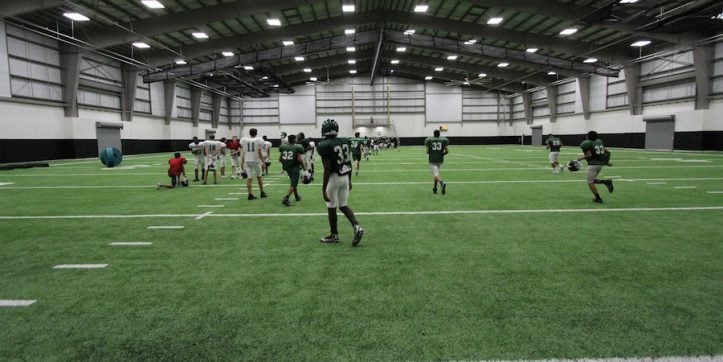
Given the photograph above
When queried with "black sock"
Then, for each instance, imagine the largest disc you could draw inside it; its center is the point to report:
(332, 220)
(435, 183)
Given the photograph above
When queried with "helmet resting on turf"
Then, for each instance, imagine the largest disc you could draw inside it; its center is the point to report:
(329, 127)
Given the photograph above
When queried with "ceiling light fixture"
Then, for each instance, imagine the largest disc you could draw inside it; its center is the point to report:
(470, 42)
(568, 31)
(227, 54)
(287, 42)
(274, 85)
(590, 60)
(551, 73)
(299, 59)
(351, 61)
(248, 67)
(409, 32)
(532, 50)
(264, 78)
(395, 61)
(307, 70)
(348, 8)
(141, 45)
(152, 4)
(421, 8)
(494, 21)
(429, 77)
(503, 64)
(438, 69)
(76, 16)
(349, 31)
(313, 79)
(200, 35)
(482, 75)
(640, 43)
(628, 1)
(351, 49)
(352, 71)
(451, 57)
(273, 21)
(181, 62)
(401, 49)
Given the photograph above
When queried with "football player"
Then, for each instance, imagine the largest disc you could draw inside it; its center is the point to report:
(211, 149)
(198, 160)
(292, 160)
(235, 147)
(175, 171)
(251, 158)
(436, 149)
(267, 156)
(357, 147)
(367, 147)
(597, 156)
(302, 141)
(336, 156)
(553, 144)
(222, 157)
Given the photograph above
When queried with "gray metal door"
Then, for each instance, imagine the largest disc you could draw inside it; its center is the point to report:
(108, 137)
(659, 133)
(536, 136)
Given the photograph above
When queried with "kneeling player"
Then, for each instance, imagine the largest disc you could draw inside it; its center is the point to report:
(175, 171)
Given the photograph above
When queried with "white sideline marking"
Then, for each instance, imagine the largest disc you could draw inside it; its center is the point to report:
(226, 198)
(211, 205)
(15, 303)
(237, 193)
(448, 212)
(165, 227)
(131, 243)
(715, 192)
(637, 359)
(6, 183)
(199, 217)
(684, 187)
(80, 266)
(656, 183)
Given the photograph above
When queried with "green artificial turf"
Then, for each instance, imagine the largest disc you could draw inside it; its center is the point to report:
(513, 263)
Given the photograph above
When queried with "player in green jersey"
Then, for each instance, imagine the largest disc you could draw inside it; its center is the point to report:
(291, 158)
(436, 149)
(597, 156)
(336, 156)
(357, 147)
(554, 144)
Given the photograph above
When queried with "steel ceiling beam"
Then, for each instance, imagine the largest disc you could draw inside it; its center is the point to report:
(575, 12)
(160, 57)
(264, 55)
(338, 71)
(450, 76)
(614, 54)
(473, 69)
(322, 62)
(531, 60)
(110, 35)
(9, 8)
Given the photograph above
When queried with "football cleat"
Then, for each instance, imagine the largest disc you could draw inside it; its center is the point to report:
(434, 189)
(609, 185)
(331, 239)
(252, 197)
(444, 188)
(574, 165)
(597, 201)
(286, 202)
(264, 195)
(358, 233)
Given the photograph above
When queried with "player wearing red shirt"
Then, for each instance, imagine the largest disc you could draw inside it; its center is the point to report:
(235, 146)
(175, 171)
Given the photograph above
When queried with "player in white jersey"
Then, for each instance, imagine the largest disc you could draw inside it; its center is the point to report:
(197, 151)
(212, 150)
(267, 156)
(222, 158)
(251, 158)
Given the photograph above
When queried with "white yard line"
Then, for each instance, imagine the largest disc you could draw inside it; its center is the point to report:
(715, 192)
(199, 217)
(636, 359)
(131, 243)
(15, 303)
(211, 205)
(6, 183)
(80, 266)
(684, 187)
(226, 199)
(656, 183)
(158, 227)
(370, 213)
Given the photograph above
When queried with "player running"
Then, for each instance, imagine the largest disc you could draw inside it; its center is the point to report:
(554, 144)
(436, 149)
(357, 147)
(597, 157)
(292, 161)
(336, 156)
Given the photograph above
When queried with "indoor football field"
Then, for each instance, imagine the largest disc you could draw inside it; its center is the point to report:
(513, 262)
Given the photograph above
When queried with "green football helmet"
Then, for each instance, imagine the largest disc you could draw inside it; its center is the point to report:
(329, 128)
